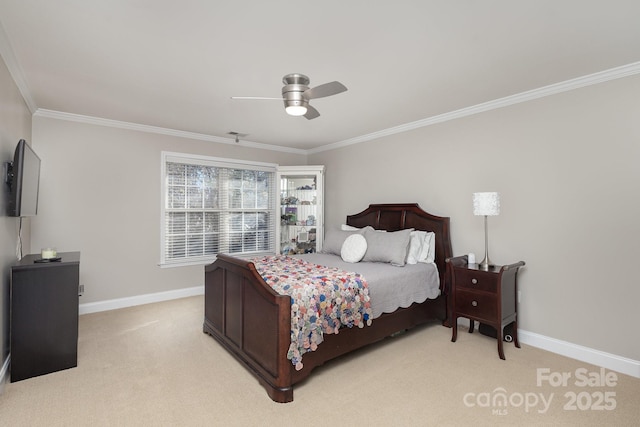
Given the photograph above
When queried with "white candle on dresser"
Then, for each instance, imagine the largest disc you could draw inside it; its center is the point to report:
(48, 253)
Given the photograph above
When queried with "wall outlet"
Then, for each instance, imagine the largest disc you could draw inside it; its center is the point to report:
(80, 290)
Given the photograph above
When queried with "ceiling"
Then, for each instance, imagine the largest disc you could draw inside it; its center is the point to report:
(176, 65)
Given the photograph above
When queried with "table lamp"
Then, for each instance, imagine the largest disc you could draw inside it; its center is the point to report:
(486, 204)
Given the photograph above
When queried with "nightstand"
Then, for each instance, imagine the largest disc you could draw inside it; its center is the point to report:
(488, 296)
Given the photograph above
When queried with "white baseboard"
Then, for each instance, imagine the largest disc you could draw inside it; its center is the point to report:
(113, 304)
(4, 373)
(584, 354)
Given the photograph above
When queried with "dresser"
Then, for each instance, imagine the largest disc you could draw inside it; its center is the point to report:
(488, 296)
(44, 315)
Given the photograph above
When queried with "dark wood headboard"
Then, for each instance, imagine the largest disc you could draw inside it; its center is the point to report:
(393, 217)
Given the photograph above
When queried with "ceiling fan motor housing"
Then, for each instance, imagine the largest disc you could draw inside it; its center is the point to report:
(292, 92)
(296, 79)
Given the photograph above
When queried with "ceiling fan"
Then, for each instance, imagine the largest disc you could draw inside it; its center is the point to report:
(296, 95)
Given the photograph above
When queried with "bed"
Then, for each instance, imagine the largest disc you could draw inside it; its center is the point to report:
(253, 322)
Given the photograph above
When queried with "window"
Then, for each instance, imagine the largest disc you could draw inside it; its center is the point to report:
(212, 205)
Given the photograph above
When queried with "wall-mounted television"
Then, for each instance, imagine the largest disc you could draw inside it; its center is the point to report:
(23, 179)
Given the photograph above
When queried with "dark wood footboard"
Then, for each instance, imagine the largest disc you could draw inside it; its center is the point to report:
(251, 320)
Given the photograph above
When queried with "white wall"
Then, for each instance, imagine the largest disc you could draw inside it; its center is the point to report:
(15, 124)
(567, 168)
(100, 195)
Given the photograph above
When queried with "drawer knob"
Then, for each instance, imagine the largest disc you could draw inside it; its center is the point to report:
(474, 303)
(474, 281)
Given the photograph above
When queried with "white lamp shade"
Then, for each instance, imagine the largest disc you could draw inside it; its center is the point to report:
(486, 203)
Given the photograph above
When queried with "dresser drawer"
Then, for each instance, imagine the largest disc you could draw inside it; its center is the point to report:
(475, 304)
(474, 279)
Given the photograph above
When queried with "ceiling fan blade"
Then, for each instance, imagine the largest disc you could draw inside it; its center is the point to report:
(311, 113)
(255, 97)
(323, 90)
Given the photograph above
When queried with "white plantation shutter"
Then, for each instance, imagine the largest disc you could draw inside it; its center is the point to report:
(213, 205)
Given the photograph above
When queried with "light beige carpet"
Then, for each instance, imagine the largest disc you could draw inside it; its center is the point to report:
(153, 365)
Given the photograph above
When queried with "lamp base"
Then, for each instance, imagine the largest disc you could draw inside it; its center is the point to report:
(485, 264)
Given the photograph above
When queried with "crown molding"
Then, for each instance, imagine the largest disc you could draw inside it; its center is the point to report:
(40, 112)
(592, 79)
(553, 89)
(6, 51)
(16, 72)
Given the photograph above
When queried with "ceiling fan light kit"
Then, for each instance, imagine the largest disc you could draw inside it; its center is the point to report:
(296, 95)
(295, 110)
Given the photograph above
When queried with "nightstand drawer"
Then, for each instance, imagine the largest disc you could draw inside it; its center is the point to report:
(475, 304)
(474, 279)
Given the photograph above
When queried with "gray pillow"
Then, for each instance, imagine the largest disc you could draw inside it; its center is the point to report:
(389, 247)
(334, 239)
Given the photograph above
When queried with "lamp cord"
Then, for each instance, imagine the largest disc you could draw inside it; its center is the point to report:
(19, 244)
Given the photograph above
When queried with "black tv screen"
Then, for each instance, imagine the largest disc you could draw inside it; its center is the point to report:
(24, 181)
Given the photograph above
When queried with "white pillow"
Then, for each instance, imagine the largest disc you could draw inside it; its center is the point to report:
(345, 227)
(428, 252)
(415, 246)
(353, 248)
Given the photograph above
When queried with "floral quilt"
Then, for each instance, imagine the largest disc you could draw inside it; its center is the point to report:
(323, 299)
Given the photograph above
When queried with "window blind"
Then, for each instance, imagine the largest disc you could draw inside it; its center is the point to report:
(213, 206)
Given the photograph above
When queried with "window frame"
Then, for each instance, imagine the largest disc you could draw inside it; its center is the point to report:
(200, 160)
